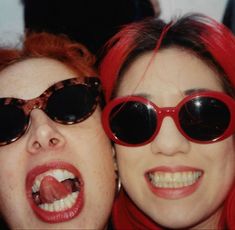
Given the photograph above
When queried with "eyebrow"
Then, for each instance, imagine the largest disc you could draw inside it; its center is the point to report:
(195, 90)
(186, 92)
(145, 95)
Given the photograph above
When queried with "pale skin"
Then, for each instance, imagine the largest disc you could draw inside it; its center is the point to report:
(84, 145)
(172, 74)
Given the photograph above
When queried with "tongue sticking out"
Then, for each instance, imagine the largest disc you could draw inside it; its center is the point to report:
(51, 190)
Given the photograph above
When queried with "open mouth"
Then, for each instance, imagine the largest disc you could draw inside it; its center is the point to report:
(173, 183)
(173, 180)
(55, 191)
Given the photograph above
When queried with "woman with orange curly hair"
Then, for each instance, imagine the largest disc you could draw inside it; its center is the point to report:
(56, 161)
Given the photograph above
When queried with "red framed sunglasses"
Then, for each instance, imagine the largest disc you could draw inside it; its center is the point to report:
(204, 117)
(66, 102)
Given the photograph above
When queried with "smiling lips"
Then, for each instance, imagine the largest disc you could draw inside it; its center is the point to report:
(173, 183)
(55, 191)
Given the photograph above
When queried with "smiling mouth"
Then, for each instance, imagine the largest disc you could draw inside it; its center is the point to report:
(55, 190)
(173, 179)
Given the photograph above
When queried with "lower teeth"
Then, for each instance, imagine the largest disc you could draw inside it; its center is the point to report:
(62, 204)
(171, 185)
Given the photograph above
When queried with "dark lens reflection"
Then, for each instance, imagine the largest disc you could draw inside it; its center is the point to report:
(12, 122)
(71, 104)
(133, 122)
(204, 118)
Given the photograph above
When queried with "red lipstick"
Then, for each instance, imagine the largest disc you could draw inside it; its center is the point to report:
(55, 191)
(173, 182)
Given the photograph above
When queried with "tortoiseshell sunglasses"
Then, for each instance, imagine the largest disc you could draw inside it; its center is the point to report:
(66, 102)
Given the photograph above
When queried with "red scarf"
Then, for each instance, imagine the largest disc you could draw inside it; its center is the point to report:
(126, 215)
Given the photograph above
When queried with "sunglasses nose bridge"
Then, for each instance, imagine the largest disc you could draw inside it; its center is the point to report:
(167, 112)
(36, 103)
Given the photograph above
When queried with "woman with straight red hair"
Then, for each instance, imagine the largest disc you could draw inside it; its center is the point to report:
(170, 112)
(56, 166)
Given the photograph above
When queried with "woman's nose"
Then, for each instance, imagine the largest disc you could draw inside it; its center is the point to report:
(43, 133)
(169, 141)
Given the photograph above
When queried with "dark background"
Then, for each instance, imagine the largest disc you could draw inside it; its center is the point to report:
(90, 22)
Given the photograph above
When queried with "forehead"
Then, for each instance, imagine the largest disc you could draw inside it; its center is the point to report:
(170, 70)
(29, 78)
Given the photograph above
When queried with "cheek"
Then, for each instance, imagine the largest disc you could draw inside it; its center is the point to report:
(220, 169)
(13, 203)
(223, 157)
(97, 168)
(94, 157)
(129, 166)
(9, 173)
(124, 161)
(9, 181)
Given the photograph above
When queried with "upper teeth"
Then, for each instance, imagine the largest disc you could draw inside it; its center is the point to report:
(174, 180)
(58, 174)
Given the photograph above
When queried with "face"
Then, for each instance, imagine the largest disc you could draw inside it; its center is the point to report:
(176, 182)
(68, 167)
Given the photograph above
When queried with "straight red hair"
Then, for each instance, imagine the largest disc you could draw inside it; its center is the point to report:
(209, 38)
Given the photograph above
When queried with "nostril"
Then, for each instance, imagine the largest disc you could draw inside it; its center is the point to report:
(36, 145)
(44, 134)
(53, 141)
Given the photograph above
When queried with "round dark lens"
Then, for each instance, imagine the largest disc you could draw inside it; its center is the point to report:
(12, 123)
(71, 104)
(133, 122)
(204, 119)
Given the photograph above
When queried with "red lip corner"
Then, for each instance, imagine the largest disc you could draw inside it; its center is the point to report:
(55, 191)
